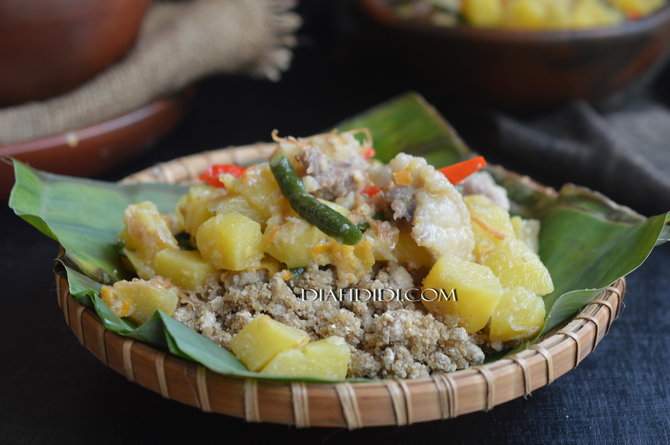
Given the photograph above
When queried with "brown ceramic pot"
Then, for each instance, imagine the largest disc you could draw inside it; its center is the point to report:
(527, 69)
(91, 150)
(50, 46)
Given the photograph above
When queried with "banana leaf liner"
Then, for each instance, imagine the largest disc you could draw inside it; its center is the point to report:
(587, 242)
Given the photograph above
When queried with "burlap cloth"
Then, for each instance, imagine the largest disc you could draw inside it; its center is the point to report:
(179, 43)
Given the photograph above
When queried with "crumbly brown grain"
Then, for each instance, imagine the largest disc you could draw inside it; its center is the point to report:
(388, 339)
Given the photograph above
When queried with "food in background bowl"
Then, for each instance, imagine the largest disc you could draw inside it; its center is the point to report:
(528, 14)
(525, 70)
(324, 262)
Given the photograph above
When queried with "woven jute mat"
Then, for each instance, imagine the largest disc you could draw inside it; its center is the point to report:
(179, 43)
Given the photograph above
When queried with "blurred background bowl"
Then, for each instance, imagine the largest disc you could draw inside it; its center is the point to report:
(48, 47)
(526, 70)
(89, 151)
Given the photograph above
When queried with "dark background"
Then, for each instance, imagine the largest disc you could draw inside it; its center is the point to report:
(53, 391)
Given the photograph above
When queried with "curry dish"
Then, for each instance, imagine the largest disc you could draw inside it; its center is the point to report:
(322, 217)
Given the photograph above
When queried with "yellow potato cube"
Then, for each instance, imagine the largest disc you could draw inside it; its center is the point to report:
(272, 265)
(476, 287)
(483, 13)
(327, 358)
(409, 253)
(528, 231)
(490, 222)
(146, 230)
(526, 14)
(231, 241)
(259, 187)
(237, 204)
(593, 13)
(352, 262)
(290, 240)
(185, 268)
(559, 14)
(519, 315)
(515, 264)
(195, 207)
(262, 339)
(139, 299)
(638, 8)
(138, 264)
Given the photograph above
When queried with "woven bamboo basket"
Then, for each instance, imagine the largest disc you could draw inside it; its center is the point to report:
(348, 405)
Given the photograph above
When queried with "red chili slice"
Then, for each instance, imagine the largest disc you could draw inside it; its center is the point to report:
(371, 191)
(370, 152)
(213, 173)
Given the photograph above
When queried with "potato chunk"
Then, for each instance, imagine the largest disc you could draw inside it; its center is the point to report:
(490, 222)
(237, 204)
(262, 339)
(559, 14)
(515, 264)
(259, 187)
(519, 315)
(409, 253)
(327, 358)
(195, 207)
(351, 262)
(528, 231)
(638, 8)
(231, 241)
(592, 13)
(138, 264)
(290, 240)
(146, 231)
(526, 14)
(139, 299)
(477, 289)
(483, 13)
(185, 268)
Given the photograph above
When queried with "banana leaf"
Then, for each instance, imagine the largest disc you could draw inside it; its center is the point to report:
(586, 240)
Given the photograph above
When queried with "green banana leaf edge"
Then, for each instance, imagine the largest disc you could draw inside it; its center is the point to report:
(587, 241)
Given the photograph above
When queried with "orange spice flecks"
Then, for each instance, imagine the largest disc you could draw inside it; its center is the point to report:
(273, 235)
(122, 307)
(486, 228)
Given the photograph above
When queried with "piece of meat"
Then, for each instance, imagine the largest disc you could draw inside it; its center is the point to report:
(482, 183)
(440, 219)
(333, 165)
(402, 202)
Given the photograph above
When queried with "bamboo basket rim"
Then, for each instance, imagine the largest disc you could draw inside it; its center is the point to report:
(341, 405)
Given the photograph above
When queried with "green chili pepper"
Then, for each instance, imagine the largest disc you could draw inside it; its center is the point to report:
(315, 212)
(363, 226)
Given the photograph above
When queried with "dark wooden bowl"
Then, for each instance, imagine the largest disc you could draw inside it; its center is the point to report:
(90, 150)
(50, 46)
(527, 70)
